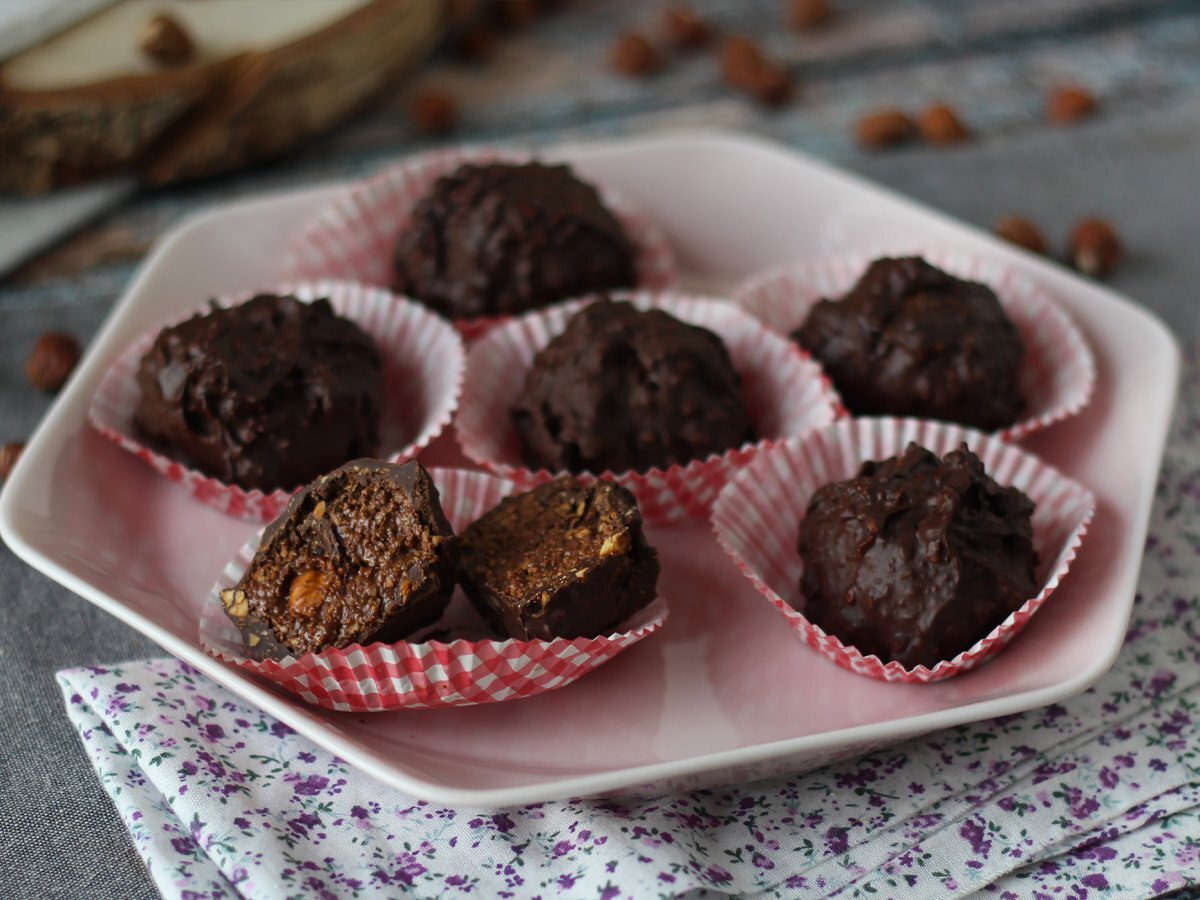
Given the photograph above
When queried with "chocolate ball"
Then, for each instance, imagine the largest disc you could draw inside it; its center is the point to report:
(911, 340)
(916, 558)
(621, 389)
(268, 394)
(499, 239)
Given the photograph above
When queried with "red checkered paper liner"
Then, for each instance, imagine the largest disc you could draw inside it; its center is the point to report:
(424, 673)
(423, 360)
(757, 521)
(1059, 372)
(786, 392)
(354, 237)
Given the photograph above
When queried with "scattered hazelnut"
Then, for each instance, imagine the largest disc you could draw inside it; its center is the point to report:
(883, 128)
(308, 591)
(1094, 246)
(685, 29)
(165, 41)
(433, 111)
(1069, 103)
(635, 56)
(744, 67)
(804, 15)
(476, 44)
(235, 602)
(51, 361)
(615, 543)
(1021, 232)
(8, 458)
(940, 124)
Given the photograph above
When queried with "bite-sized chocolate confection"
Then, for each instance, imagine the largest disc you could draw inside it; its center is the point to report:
(562, 560)
(917, 558)
(362, 554)
(267, 394)
(499, 239)
(912, 340)
(621, 389)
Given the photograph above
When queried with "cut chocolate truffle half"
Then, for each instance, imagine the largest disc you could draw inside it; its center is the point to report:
(362, 554)
(266, 394)
(911, 340)
(917, 558)
(562, 560)
(501, 238)
(624, 389)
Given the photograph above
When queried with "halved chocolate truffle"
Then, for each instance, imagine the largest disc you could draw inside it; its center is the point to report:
(362, 554)
(623, 389)
(562, 560)
(911, 340)
(916, 558)
(267, 394)
(501, 238)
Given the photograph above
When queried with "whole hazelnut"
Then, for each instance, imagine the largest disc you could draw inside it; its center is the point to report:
(1021, 232)
(804, 15)
(685, 29)
(634, 55)
(165, 41)
(8, 458)
(1068, 104)
(1094, 246)
(743, 66)
(940, 124)
(883, 128)
(308, 592)
(433, 112)
(51, 361)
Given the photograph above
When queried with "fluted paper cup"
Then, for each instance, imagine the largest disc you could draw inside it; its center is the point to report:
(786, 393)
(451, 663)
(1059, 372)
(757, 520)
(354, 237)
(423, 359)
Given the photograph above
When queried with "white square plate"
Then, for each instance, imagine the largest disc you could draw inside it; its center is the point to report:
(727, 692)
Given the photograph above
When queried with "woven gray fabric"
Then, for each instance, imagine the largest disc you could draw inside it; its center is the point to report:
(59, 835)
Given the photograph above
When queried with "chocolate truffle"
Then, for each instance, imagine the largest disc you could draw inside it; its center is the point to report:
(562, 560)
(917, 558)
(267, 394)
(621, 389)
(499, 239)
(362, 554)
(912, 340)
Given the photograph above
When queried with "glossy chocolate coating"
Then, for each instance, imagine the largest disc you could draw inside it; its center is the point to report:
(621, 389)
(362, 554)
(912, 340)
(500, 239)
(562, 560)
(916, 558)
(267, 394)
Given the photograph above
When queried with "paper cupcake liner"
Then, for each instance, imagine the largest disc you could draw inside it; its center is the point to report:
(1059, 372)
(354, 237)
(787, 394)
(423, 359)
(757, 521)
(425, 673)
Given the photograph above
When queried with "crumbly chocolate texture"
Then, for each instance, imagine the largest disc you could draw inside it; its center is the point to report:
(917, 558)
(362, 554)
(562, 560)
(267, 394)
(500, 239)
(622, 389)
(912, 340)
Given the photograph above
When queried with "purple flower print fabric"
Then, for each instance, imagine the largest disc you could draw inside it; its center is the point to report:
(1095, 797)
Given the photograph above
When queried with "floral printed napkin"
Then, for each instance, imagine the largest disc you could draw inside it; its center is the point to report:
(1096, 797)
